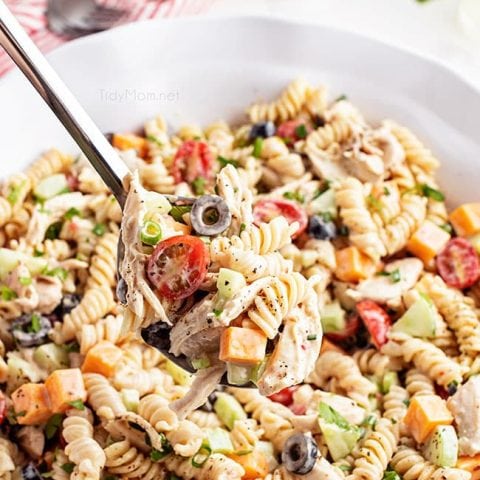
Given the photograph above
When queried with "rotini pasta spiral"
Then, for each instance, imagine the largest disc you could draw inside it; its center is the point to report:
(103, 266)
(104, 399)
(395, 408)
(58, 473)
(418, 383)
(372, 362)
(338, 131)
(412, 466)
(363, 232)
(126, 461)
(186, 439)
(96, 303)
(154, 408)
(204, 419)
(109, 328)
(51, 162)
(245, 435)
(5, 211)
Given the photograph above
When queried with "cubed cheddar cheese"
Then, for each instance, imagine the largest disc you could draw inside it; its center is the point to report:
(129, 141)
(353, 265)
(242, 346)
(65, 386)
(424, 413)
(31, 404)
(428, 241)
(102, 358)
(254, 463)
(466, 219)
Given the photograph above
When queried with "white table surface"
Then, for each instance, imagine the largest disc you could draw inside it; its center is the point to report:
(431, 28)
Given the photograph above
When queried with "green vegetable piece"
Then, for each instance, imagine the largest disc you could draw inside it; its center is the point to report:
(442, 446)
(150, 233)
(51, 186)
(51, 357)
(333, 317)
(324, 203)
(229, 282)
(198, 185)
(228, 409)
(99, 229)
(53, 424)
(389, 379)
(226, 161)
(78, 404)
(130, 398)
(219, 441)
(301, 131)
(238, 374)
(179, 375)
(257, 147)
(53, 231)
(418, 320)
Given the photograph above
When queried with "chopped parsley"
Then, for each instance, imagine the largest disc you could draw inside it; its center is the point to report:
(226, 161)
(386, 191)
(53, 231)
(345, 468)
(390, 474)
(68, 467)
(6, 293)
(301, 131)
(154, 139)
(242, 227)
(52, 426)
(178, 211)
(156, 455)
(297, 196)
(99, 229)
(35, 324)
(406, 402)
(312, 337)
(198, 186)
(37, 253)
(369, 421)
(217, 312)
(430, 192)
(325, 186)
(78, 404)
(394, 275)
(257, 147)
(71, 212)
(58, 272)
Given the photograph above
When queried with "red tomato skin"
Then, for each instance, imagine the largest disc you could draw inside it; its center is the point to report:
(72, 182)
(192, 160)
(376, 320)
(196, 262)
(3, 408)
(458, 263)
(269, 208)
(351, 328)
(298, 409)
(285, 396)
(287, 130)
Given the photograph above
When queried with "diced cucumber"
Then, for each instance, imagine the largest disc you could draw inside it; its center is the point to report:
(9, 260)
(219, 441)
(130, 398)
(51, 186)
(325, 203)
(238, 374)
(257, 370)
(229, 282)
(340, 436)
(418, 320)
(228, 409)
(442, 446)
(389, 379)
(20, 372)
(267, 449)
(340, 442)
(51, 357)
(333, 317)
(199, 363)
(180, 376)
(156, 202)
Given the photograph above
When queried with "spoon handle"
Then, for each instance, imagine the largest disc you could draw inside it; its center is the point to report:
(64, 105)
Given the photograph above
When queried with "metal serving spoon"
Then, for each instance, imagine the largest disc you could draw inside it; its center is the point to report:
(86, 134)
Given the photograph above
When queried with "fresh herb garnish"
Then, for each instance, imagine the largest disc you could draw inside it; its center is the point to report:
(198, 186)
(199, 459)
(25, 281)
(447, 227)
(37, 253)
(71, 212)
(53, 231)
(53, 425)
(242, 227)
(406, 402)
(374, 203)
(217, 312)
(257, 147)
(154, 139)
(226, 161)
(14, 193)
(327, 216)
(325, 186)
(341, 97)
(68, 467)
(178, 211)
(78, 404)
(301, 131)
(369, 421)
(35, 325)
(157, 455)
(6, 293)
(391, 474)
(311, 337)
(296, 196)
(430, 192)
(386, 191)
(58, 272)
(99, 229)
(394, 275)
(345, 468)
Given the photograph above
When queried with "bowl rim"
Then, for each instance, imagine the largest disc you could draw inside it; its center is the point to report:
(265, 18)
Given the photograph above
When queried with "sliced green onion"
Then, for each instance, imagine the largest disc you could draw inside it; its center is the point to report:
(199, 459)
(199, 363)
(257, 147)
(227, 161)
(312, 337)
(151, 233)
(99, 229)
(301, 131)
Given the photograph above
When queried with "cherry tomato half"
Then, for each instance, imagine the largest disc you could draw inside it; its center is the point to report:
(376, 320)
(351, 327)
(269, 208)
(285, 396)
(293, 130)
(193, 160)
(177, 266)
(458, 263)
(3, 408)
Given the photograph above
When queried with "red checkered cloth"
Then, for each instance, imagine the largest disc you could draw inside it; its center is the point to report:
(31, 14)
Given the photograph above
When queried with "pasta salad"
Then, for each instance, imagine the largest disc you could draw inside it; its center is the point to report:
(306, 256)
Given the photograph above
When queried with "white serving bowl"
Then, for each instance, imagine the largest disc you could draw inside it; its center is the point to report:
(201, 69)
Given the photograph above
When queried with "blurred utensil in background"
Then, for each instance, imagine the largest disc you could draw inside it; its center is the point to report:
(75, 18)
